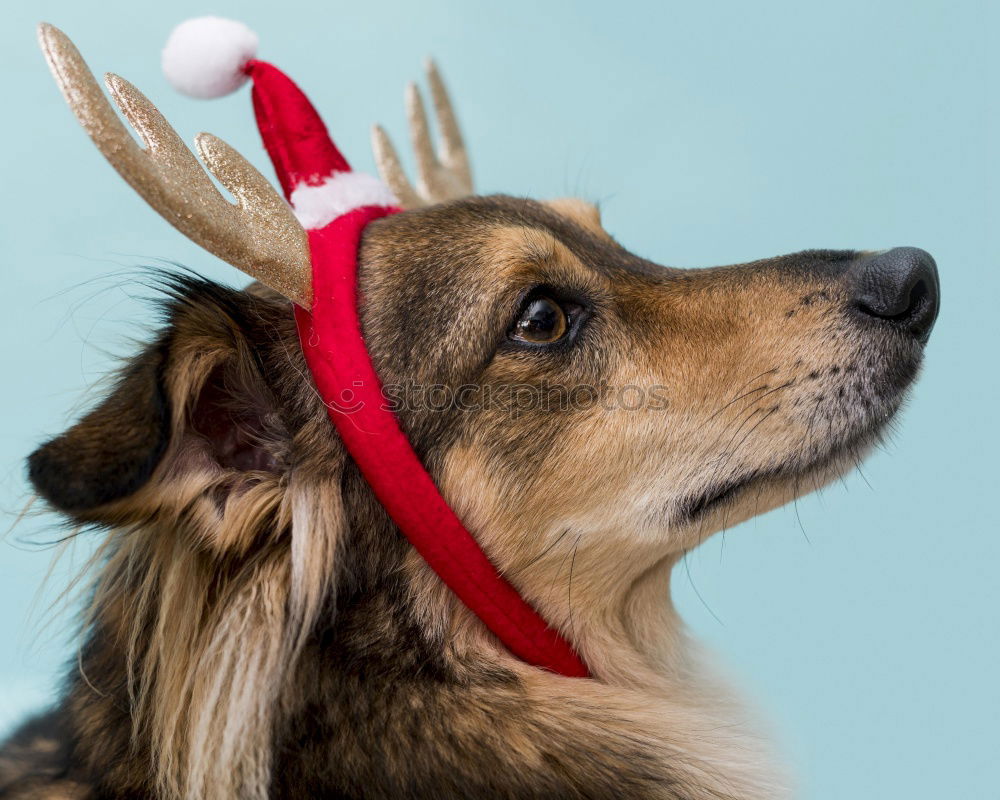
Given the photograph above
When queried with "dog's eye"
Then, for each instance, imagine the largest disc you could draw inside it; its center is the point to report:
(542, 321)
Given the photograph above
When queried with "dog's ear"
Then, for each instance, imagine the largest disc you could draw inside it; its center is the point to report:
(586, 215)
(190, 422)
(114, 449)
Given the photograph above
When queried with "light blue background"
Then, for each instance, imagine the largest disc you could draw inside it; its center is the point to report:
(712, 133)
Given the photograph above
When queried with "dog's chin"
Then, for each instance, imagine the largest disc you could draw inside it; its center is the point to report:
(760, 491)
(864, 418)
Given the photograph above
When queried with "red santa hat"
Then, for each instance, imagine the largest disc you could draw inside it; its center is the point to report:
(210, 57)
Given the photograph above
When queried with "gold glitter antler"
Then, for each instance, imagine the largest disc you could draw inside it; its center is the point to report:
(257, 234)
(442, 176)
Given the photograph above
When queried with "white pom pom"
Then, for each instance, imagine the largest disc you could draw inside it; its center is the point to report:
(204, 57)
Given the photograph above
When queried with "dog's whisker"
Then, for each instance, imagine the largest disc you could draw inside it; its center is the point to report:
(750, 432)
(727, 452)
(553, 585)
(798, 516)
(751, 409)
(569, 589)
(856, 457)
(757, 377)
(697, 592)
(547, 549)
(741, 394)
(735, 400)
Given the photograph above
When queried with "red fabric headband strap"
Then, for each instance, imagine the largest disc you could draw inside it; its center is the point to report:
(342, 369)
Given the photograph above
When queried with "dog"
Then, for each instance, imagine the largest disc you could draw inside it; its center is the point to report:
(259, 628)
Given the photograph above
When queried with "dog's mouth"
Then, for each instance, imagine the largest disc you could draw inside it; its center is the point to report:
(864, 416)
(795, 469)
(698, 505)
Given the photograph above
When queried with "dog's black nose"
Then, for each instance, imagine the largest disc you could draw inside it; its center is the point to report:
(899, 286)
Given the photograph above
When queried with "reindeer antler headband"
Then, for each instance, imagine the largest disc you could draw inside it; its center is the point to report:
(307, 251)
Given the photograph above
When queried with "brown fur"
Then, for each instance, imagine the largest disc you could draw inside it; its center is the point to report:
(258, 628)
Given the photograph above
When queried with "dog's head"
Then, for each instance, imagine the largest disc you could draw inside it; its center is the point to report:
(563, 392)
